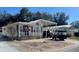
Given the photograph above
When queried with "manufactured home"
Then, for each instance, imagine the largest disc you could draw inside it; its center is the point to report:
(26, 29)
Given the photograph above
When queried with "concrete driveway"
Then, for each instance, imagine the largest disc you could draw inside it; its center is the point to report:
(5, 46)
(74, 48)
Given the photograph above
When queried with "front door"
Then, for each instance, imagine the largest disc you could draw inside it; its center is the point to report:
(26, 30)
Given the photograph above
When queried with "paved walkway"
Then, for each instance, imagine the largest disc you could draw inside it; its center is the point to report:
(6, 47)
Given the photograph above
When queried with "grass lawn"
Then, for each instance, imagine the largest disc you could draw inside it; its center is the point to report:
(74, 38)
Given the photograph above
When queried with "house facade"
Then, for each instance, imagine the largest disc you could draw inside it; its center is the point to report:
(26, 29)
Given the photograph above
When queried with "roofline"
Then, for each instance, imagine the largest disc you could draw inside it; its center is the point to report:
(29, 22)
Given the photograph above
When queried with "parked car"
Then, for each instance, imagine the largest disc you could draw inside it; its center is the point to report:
(60, 35)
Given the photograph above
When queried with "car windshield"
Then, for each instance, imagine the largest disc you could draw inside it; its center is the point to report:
(61, 32)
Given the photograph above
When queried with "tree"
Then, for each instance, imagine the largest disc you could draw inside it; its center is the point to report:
(37, 15)
(60, 18)
(24, 11)
(75, 24)
(29, 16)
(43, 15)
(23, 14)
(46, 16)
(4, 18)
(26, 16)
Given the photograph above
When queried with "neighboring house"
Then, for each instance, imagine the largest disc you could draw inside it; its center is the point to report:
(26, 29)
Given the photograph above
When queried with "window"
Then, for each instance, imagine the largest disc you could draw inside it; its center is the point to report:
(25, 28)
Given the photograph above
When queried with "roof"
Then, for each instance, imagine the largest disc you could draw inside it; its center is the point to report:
(44, 22)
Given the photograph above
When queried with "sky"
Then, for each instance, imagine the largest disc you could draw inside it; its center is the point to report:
(73, 12)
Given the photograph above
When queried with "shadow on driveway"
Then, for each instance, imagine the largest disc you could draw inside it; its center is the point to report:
(4, 38)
